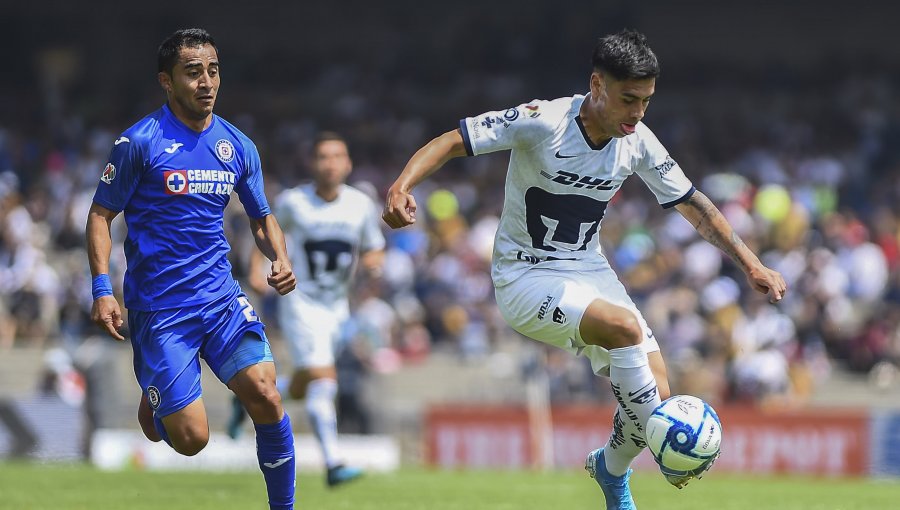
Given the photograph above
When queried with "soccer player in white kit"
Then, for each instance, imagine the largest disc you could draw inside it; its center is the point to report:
(329, 227)
(568, 158)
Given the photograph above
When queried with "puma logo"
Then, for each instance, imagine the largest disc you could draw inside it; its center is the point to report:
(273, 465)
(121, 139)
(173, 148)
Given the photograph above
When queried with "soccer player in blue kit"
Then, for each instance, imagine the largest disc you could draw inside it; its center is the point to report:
(172, 174)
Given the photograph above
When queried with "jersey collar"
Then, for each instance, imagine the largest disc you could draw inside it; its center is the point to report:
(177, 122)
(587, 139)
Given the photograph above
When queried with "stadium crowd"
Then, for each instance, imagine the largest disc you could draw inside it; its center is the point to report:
(804, 163)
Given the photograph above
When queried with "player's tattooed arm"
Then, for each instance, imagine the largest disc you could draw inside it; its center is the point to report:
(712, 226)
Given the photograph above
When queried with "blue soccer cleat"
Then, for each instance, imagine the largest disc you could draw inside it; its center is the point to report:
(615, 488)
(236, 420)
(341, 474)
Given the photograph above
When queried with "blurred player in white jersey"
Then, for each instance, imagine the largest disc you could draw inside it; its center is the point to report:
(569, 156)
(330, 227)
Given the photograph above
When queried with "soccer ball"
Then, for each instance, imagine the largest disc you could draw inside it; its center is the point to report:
(684, 434)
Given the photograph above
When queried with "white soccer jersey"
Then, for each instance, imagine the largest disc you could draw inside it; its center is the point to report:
(325, 238)
(559, 183)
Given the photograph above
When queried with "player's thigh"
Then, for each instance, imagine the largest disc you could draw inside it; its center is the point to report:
(254, 382)
(254, 386)
(311, 331)
(549, 306)
(188, 428)
(166, 344)
(235, 338)
(545, 306)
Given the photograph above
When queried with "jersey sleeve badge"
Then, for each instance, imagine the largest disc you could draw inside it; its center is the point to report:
(109, 173)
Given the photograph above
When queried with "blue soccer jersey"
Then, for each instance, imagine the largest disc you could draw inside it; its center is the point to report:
(173, 185)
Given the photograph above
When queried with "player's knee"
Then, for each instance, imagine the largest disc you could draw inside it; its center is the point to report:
(150, 431)
(627, 329)
(297, 389)
(614, 329)
(263, 398)
(190, 441)
(145, 419)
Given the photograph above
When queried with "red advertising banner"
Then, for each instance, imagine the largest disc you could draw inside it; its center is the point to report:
(816, 442)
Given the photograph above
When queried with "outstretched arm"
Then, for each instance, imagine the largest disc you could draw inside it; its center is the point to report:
(270, 241)
(105, 311)
(400, 206)
(712, 226)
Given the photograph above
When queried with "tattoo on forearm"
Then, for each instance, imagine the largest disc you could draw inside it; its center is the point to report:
(713, 227)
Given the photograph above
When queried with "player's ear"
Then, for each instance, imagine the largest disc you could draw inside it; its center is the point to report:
(165, 81)
(596, 83)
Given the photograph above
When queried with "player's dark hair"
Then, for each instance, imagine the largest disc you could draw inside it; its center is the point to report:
(326, 136)
(625, 56)
(167, 55)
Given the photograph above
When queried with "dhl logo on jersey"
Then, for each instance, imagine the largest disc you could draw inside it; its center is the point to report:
(189, 182)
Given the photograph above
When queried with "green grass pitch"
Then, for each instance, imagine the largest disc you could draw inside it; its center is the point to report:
(37, 487)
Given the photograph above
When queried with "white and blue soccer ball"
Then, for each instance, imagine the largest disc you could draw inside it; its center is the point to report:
(685, 434)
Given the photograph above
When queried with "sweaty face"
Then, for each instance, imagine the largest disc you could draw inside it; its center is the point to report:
(618, 105)
(331, 163)
(195, 82)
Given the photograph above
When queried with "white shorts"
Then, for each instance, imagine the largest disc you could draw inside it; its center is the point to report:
(547, 305)
(311, 328)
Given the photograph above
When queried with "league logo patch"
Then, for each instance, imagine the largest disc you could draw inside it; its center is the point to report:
(224, 151)
(153, 397)
(176, 182)
(533, 111)
(109, 173)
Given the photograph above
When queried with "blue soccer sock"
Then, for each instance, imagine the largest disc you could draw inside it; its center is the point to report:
(275, 451)
(161, 429)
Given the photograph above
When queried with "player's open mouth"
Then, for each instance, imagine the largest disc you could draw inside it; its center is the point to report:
(627, 128)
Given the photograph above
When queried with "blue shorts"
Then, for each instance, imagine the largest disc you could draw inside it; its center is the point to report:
(168, 345)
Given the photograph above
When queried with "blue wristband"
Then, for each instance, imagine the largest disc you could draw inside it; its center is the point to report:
(101, 286)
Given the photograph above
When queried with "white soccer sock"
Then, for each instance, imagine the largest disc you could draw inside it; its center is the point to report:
(633, 385)
(320, 396)
(625, 443)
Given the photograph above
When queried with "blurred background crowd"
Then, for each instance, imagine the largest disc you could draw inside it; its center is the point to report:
(799, 147)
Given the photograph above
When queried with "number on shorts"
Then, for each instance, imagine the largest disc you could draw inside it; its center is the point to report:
(247, 308)
(561, 222)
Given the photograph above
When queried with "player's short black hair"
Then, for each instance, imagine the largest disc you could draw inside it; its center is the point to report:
(327, 136)
(626, 56)
(185, 38)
